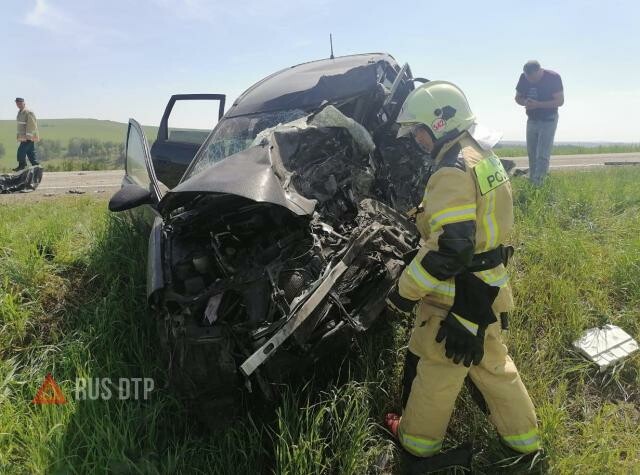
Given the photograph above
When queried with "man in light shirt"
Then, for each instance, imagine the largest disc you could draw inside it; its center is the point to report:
(27, 135)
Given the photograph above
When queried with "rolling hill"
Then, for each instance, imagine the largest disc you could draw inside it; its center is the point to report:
(64, 130)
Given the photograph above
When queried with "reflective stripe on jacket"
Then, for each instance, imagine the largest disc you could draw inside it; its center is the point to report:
(467, 209)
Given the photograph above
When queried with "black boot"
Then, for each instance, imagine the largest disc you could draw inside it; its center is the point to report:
(458, 457)
(20, 167)
(516, 462)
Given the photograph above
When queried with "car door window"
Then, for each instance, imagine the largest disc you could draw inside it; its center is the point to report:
(136, 165)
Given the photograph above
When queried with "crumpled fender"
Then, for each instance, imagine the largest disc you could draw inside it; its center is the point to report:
(155, 274)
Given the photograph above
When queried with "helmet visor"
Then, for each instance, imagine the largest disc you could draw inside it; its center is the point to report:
(407, 130)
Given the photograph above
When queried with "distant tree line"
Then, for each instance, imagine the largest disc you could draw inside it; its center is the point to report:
(48, 149)
(81, 148)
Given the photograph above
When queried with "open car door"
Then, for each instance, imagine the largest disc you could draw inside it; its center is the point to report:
(175, 147)
(140, 185)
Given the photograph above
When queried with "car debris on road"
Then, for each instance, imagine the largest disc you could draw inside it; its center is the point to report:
(25, 180)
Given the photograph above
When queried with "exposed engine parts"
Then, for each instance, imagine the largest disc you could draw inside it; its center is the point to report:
(251, 282)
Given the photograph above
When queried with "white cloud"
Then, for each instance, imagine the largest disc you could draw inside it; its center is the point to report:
(46, 16)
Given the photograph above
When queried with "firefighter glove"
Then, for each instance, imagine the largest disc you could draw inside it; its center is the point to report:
(464, 340)
(465, 324)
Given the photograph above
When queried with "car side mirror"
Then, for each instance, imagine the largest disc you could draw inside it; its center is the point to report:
(128, 197)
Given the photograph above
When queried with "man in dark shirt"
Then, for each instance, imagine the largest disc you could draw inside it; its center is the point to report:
(540, 92)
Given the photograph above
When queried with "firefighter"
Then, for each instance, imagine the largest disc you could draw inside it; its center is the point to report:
(457, 285)
(27, 135)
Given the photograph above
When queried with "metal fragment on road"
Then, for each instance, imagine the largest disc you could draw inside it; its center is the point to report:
(606, 345)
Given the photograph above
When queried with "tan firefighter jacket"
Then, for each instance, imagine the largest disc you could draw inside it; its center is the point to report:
(27, 125)
(467, 209)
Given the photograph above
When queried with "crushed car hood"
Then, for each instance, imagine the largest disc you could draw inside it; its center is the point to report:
(293, 165)
(247, 174)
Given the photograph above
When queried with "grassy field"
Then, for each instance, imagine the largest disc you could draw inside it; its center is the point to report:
(64, 130)
(72, 303)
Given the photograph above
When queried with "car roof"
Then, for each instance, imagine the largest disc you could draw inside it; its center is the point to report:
(307, 85)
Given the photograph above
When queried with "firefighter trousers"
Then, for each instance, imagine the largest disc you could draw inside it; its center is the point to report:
(435, 382)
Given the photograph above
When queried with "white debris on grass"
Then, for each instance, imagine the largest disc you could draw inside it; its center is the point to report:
(606, 345)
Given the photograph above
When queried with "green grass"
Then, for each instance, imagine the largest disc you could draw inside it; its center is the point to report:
(65, 129)
(521, 151)
(72, 303)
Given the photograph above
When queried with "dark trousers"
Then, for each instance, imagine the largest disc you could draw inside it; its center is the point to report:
(27, 149)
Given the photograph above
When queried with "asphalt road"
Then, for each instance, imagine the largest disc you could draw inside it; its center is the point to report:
(80, 182)
(104, 183)
(572, 162)
(100, 184)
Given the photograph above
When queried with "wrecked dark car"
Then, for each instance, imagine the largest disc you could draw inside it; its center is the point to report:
(286, 231)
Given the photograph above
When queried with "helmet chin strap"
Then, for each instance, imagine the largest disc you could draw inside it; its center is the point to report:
(442, 141)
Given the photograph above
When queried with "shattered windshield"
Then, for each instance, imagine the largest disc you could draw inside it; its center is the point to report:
(234, 134)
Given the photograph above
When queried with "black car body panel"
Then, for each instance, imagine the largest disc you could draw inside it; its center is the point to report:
(306, 86)
(155, 272)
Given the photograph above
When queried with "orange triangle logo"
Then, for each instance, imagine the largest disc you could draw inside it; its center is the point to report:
(49, 392)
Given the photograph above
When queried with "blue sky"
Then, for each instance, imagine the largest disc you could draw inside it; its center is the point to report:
(120, 59)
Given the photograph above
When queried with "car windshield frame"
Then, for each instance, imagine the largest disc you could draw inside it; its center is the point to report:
(235, 134)
(245, 127)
